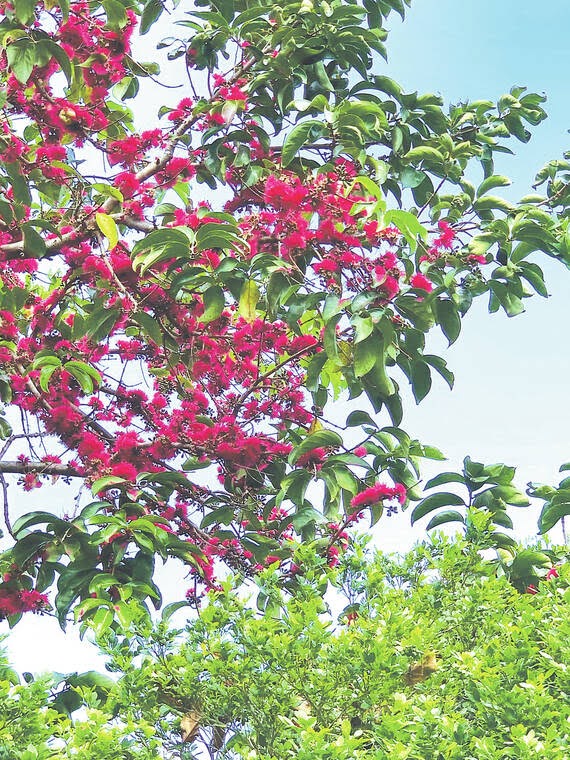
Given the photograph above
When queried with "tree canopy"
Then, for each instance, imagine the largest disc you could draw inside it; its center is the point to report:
(177, 362)
(432, 655)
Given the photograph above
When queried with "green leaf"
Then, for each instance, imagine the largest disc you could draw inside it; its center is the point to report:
(100, 323)
(420, 380)
(365, 355)
(152, 11)
(448, 319)
(551, 514)
(108, 227)
(87, 376)
(149, 325)
(510, 302)
(427, 505)
(410, 177)
(217, 235)
(359, 417)
(330, 339)
(298, 136)
(170, 609)
(449, 515)
(408, 224)
(116, 14)
(109, 481)
(443, 478)
(214, 303)
(55, 51)
(21, 58)
(20, 185)
(491, 182)
(24, 10)
(492, 202)
(319, 439)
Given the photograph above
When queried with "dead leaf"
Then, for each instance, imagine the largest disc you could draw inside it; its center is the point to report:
(420, 671)
(190, 725)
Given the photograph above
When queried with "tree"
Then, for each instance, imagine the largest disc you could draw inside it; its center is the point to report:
(182, 359)
(432, 656)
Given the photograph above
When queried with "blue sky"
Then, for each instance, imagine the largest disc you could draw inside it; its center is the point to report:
(510, 402)
(480, 49)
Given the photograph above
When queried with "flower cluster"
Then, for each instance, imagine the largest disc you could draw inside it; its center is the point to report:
(14, 601)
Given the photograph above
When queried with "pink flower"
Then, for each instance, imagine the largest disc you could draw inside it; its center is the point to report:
(421, 282)
(376, 493)
(124, 470)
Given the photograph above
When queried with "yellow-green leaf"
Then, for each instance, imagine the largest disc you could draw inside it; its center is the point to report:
(248, 300)
(108, 227)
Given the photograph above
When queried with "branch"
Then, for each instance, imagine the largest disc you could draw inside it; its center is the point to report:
(7, 521)
(86, 226)
(17, 467)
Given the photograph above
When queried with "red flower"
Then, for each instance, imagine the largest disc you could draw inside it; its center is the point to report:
(421, 282)
(378, 492)
(124, 470)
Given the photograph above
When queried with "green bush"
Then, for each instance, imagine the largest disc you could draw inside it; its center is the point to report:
(435, 655)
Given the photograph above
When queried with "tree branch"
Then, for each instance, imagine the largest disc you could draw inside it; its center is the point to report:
(18, 467)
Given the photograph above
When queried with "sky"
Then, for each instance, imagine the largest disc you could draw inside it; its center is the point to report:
(510, 398)
(510, 401)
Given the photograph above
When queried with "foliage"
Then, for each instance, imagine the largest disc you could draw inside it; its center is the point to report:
(35, 723)
(182, 359)
(434, 655)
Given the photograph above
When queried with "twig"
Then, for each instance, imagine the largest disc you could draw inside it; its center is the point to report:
(4, 486)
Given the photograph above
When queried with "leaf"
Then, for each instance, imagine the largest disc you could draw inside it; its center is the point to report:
(449, 515)
(420, 380)
(411, 177)
(217, 235)
(491, 202)
(116, 14)
(24, 10)
(87, 377)
(59, 54)
(20, 185)
(427, 505)
(448, 319)
(214, 303)
(170, 609)
(107, 482)
(298, 136)
(330, 339)
(359, 417)
(551, 514)
(152, 11)
(322, 438)
(408, 224)
(21, 58)
(100, 323)
(365, 355)
(443, 478)
(491, 182)
(108, 227)
(149, 325)
(229, 110)
(248, 299)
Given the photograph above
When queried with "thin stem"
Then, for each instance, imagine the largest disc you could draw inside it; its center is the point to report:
(4, 486)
